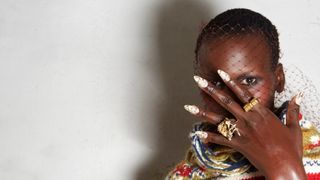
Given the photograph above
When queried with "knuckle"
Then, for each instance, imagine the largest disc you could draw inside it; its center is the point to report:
(261, 110)
(232, 83)
(226, 100)
(241, 117)
(256, 120)
(211, 89)
(294, 111)
(203, 114)
(220, 118)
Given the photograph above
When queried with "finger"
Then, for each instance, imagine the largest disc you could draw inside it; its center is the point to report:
(209, 116)
(292, 116)
(243, 94)
(210, 137)
(220, 97)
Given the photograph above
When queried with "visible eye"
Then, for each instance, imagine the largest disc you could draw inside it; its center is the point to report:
(249, 81)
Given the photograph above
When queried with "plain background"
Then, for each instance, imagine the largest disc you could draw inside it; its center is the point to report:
(94, 90)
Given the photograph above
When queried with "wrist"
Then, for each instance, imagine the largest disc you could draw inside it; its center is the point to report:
(288, 170)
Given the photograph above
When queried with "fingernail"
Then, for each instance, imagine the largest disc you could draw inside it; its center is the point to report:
(192, 109)
(201, 82)
(225, 76)
(298, 98)
(201, 134)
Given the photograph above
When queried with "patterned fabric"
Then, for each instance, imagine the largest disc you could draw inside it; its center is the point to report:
(220, 162)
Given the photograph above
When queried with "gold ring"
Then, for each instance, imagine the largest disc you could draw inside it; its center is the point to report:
(247, 107)
(227, 127)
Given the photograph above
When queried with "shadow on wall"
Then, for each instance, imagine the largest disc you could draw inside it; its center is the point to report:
(178, 24)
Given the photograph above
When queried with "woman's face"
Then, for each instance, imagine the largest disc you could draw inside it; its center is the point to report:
(247, 59)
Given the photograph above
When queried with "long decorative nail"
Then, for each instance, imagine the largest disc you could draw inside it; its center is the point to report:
(192, 109)
(298, 98)
(225, 76)
(201, 82)
(201, 134)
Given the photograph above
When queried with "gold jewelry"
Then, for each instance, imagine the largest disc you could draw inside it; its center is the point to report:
(227, 127)
(247, 107)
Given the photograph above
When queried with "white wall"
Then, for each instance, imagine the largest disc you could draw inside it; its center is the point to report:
(95, 89)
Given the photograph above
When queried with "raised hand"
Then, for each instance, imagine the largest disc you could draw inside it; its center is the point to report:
(272, 147)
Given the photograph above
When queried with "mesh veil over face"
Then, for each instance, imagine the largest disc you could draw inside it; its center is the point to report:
(295, 80)
(246, 46)
(247, 57)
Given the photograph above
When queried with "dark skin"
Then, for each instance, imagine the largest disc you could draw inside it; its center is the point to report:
(273, 148)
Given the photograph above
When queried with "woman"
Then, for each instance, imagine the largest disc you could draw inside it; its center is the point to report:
(243, 134)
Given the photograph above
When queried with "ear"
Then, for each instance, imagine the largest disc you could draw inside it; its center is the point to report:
(279, 78)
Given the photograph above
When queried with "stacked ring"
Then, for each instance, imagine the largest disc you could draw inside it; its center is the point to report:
(247, 107)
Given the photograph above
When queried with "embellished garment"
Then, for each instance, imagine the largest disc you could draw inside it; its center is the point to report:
(220, 162)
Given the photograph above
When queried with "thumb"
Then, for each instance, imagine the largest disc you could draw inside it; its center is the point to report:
(292, 116)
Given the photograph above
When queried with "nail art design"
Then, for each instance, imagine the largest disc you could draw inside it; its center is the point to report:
(201, 82)
(298, 98)
(201, 134)
(225, 76)
(192, 109)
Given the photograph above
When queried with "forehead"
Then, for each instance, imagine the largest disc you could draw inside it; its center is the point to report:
(236, 55)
